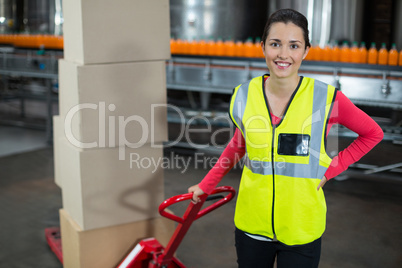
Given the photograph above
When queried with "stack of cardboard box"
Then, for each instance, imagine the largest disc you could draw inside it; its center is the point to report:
(112, 96)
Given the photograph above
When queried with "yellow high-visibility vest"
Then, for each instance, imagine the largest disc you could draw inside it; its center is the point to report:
(284, 164)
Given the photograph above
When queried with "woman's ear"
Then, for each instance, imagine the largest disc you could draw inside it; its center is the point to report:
(263, 47)
(306, 52)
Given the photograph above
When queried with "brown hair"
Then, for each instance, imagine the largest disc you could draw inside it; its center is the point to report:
(286, 16)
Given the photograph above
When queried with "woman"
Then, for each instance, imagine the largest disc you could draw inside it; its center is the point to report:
(282, 121)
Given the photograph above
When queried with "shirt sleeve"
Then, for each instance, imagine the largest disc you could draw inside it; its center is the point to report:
(233, 152)
(344, 112)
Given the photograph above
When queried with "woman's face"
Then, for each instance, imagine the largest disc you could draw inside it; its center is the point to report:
(284, 50)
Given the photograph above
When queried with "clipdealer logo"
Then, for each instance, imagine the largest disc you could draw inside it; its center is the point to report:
(112, 134)
(112, 128)
(122, 123)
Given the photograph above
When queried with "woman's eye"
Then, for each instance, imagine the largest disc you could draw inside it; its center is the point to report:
(294, 46)
(274, 45)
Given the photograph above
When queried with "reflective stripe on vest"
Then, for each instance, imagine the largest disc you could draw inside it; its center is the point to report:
(240, 104)
(286, 168)
(282, 168)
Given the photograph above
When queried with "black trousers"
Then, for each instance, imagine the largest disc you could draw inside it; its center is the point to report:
(252, 253)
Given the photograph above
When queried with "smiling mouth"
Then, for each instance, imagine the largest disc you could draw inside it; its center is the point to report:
(282, 65)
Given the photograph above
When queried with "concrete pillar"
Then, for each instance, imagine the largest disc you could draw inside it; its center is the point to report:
(110, 128)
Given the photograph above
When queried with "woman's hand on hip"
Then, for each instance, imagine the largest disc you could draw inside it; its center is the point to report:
(322, 183)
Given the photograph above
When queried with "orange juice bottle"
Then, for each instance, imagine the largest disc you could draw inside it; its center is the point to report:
(363, 53)
(226, 47)
(383, 55)
(179, 46)
(249, 48)
(354, 53)
(317, 52)
(229, 48)
(200, 43)
(219, 48)
(186, 47)
(192, 47)
(400, 58)
(310, 54)
(202, 47)
(26, 40)
(18, 40)
(239, 49)
(42, 41)
(326, 53)
(60, 42)
(39, 41)
(258, 49)
(336, 53)
(393, 56)
(5, 39)
(173, 46)
(210, 47)
(345, 53)
(52, 41)
(372, 57)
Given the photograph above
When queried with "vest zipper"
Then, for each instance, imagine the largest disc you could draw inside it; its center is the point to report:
(273, 181)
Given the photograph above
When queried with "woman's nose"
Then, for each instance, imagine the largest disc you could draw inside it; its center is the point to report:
(283, 53)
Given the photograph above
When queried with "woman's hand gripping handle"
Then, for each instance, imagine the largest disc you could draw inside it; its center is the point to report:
(196, 190)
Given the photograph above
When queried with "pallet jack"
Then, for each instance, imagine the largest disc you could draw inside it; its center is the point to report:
(151, 254)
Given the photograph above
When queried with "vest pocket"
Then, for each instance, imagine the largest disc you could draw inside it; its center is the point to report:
(293, 144)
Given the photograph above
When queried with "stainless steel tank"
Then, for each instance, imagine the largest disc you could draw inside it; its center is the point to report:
(235, 19)
(43, 16)
(398, 24)
(329, 20)
(7, 15)
(56, 17)
(36, 16)
(347, 20)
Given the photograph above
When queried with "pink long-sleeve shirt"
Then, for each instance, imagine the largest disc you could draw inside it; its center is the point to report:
(344, 112)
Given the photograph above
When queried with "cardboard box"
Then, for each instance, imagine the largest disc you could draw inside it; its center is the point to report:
(106, 247)
(110, 186)
(57, 132)
(101, 31)
(113, 105)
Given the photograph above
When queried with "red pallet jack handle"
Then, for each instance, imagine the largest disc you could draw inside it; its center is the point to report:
(192, 213)
(151, 254)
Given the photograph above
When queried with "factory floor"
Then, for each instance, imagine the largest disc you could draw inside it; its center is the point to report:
(363, 223)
